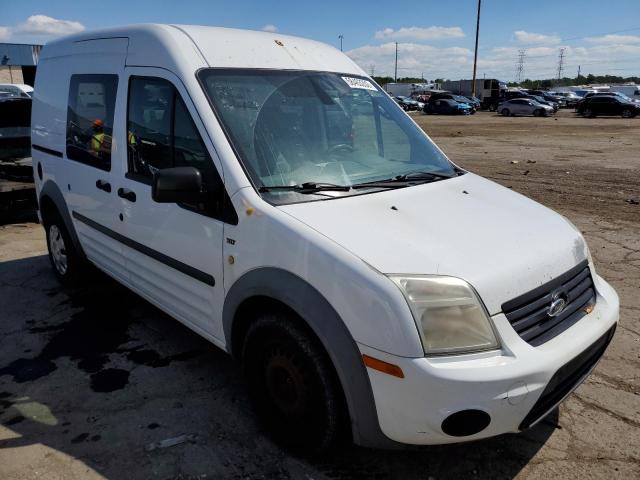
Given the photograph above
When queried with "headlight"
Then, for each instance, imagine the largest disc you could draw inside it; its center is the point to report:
(450, 317)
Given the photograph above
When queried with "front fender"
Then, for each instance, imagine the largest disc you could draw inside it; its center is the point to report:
(325, 322)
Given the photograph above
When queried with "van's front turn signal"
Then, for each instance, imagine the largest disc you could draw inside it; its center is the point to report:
(384, 367)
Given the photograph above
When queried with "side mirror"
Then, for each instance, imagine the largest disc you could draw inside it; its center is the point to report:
(177, 185)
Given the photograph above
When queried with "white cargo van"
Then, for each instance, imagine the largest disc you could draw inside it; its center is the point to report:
(264, 191)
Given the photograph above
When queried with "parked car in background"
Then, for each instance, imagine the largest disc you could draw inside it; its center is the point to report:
(454, 97)
(611, 94)
(15, 90)
(16, 171)
(473, 101)
(407, 104)
(613, 105)
(524, 106)
(544, 101)
(581, 92)
(546, 95)
(570, 98)
(446, 106)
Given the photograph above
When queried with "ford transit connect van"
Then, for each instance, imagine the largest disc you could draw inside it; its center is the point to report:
(265, 192)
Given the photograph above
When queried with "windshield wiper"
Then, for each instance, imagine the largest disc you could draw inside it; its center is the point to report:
(405, 180)
(429, 176)
(307, 187)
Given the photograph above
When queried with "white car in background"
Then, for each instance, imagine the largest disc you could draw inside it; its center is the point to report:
(264, 191)
(15, 90)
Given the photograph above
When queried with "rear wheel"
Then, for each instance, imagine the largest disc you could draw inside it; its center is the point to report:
(64, 258)
(505, 112)
(292, 384)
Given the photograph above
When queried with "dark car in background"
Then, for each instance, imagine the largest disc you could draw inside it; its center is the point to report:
(609, 94)
(454, 97)
(473, 101)
(446, 106)
(16, 172)
(407, 104)
(607, 105)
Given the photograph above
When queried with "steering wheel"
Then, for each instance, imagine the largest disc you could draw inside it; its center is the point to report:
(340, 148)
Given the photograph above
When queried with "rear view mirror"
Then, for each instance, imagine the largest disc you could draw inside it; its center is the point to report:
(177, 185)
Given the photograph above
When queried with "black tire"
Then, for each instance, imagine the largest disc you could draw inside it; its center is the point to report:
(537, 113)
(493, 107)
(587, 112)
(505, 112)
(627, 113)
(67, 264)
(292, 384)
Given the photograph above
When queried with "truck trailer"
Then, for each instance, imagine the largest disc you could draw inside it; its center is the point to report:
(490, 91)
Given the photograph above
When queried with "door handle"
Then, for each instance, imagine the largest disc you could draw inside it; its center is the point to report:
(103, 185)
(127, 194)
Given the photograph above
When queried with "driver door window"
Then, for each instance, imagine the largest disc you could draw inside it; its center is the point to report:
(161, 134)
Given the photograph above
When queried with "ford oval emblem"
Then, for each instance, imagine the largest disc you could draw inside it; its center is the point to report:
(558, 304)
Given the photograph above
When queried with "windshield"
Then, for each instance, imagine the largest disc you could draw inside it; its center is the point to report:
(301, 127)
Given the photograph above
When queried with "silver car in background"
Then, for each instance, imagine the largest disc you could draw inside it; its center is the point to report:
(524, 106)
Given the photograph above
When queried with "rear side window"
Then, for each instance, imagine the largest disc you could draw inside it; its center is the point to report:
(92, 100)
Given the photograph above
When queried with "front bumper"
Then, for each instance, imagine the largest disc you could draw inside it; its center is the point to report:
(510, 385)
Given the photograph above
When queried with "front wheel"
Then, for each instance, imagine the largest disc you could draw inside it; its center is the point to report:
(537, 113)
(292, 384)
(63, 256)
(626, 113)
(588, 113)
(493, 108)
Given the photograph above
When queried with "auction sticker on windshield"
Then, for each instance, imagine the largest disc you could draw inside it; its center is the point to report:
(358, 83)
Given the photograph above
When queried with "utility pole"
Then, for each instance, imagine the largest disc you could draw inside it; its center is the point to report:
(578, 71)
(522, 53)
(341, 37)
(396, 74)
(560, 63)
(475, 55)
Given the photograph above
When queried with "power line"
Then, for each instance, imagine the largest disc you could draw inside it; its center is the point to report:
(561, 62)
(522, 53)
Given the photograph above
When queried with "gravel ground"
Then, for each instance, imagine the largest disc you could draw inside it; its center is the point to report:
(91, 378)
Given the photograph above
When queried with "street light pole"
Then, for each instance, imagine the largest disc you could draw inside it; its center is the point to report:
(475, 55)
(341, 37)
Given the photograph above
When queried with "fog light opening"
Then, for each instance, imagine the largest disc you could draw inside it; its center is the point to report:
(465, 423)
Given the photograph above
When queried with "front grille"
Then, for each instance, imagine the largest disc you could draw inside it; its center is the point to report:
(529, 313)
(567, 379)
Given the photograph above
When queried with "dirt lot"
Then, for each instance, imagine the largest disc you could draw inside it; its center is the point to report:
(90, 377)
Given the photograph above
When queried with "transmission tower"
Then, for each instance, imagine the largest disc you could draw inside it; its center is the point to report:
(522, 53)
(561, 63)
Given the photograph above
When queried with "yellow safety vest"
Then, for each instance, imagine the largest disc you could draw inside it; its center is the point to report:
(96, 141)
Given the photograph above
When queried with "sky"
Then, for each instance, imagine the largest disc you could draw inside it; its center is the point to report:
(435, 38)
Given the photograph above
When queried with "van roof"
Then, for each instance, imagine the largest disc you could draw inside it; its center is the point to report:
(170, 45)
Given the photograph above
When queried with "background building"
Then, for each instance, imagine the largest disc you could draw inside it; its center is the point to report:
(18, 62)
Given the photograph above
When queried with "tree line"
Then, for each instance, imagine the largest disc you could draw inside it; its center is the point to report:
(543, 84)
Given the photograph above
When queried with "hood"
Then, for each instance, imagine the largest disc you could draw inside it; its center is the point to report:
(499, 241)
